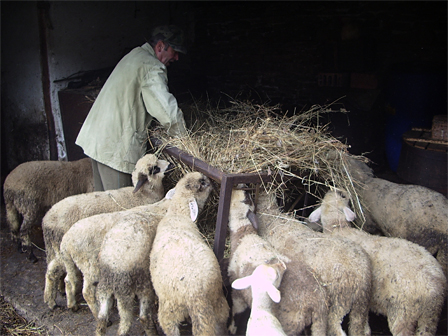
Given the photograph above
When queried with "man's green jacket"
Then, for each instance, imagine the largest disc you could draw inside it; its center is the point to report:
(115, 130)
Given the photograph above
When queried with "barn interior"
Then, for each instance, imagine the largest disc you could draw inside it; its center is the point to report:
(384, 62)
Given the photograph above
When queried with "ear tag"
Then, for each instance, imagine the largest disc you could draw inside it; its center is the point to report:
(170, 194)
(193, 209)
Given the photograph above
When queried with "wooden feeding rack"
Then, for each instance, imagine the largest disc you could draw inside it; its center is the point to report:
(227, 181)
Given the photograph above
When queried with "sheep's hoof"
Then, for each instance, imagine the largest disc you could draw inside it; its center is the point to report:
(101, 327)
(32, 258)
(52, 305)
(74, 308)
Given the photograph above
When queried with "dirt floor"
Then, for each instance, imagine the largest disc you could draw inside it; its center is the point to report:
(22, 284)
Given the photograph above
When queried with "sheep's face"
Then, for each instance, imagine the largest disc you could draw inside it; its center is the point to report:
(242, 206)
(334, 211)
(267, 202)
(273, 272)
(336, 198)
(194, 185)
(150, 169)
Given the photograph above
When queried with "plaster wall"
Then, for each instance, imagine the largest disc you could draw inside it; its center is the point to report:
(81, 36)
(93, 35)
(24, 133)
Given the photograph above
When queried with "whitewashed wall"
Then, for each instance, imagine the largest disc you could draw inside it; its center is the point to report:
(85, 35)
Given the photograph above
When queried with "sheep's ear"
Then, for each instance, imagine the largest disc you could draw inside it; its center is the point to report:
(349, 214)
(194, 210)
(242, 283)
(253, 219)
(170, 193)
(273, 293)
(315, 215)
(142, 178)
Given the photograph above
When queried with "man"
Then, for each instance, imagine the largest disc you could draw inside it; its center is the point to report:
(114, 133)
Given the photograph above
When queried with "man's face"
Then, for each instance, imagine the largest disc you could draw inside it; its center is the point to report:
(167, 56)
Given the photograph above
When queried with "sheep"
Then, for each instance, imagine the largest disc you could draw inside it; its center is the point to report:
(147, 179)
(33, 187)
(341, 267)
(264, 283)
(123, 263)
(412, 212)
(305, 301)
(81, 245)
(184, 270)
(408, 284)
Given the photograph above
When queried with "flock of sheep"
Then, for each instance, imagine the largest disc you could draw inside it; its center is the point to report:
(142, 242)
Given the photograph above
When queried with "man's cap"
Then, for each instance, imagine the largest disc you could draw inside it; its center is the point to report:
(172, 35)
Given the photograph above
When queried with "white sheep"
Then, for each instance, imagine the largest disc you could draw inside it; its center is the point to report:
(264, 283)
(412, 212)
(33, 187)
(341, 267)
(123, 262)
(147, 178)
(305, 300)
(185, 272)
(123, 265)
(82, 243)
(408, 284)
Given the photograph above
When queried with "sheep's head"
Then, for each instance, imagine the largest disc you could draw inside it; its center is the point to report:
(242, 206)
(150, 169)
(265, 278)
(334, 211)
(195, 188)
(267, 203)
(359, 170)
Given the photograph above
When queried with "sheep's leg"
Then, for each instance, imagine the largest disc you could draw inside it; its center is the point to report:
(53, 276)
(427, 322)
(238, 308)
(146, 316)
(13, 218)
(169, 318)
(442, 258)
(89, 293)
(105, 302)
(70, 286)
(319, 326)
(359, 321)
(25, 229)
(125, 309)
(400, 324)
(335, 317)
(203, 321)
(221, 313)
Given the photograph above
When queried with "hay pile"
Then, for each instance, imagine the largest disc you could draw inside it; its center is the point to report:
(254, 138)
(11, 323)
